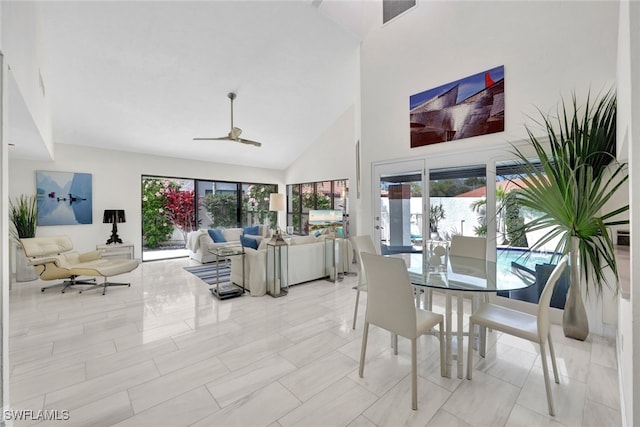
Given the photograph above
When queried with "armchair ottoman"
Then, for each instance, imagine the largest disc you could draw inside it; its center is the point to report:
(53, 258)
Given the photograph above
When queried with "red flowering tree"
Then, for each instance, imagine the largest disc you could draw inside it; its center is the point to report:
(180, 208)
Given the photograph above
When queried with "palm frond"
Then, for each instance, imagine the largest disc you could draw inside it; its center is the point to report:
(575, 179)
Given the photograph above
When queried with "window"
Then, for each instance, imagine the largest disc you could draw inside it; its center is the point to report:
(173, 207)
(255, 204)
(314, 195)
(218, 204)
(457, 199)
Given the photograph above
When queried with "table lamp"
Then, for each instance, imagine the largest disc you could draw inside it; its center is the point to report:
(113, 216)
(277, 203)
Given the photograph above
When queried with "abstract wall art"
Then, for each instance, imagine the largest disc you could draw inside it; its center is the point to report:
(464, 108)
(64, 198)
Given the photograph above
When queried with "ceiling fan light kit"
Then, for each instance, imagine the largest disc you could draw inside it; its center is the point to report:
(234, 133)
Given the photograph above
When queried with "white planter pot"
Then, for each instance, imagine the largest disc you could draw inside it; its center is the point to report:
(24, 271)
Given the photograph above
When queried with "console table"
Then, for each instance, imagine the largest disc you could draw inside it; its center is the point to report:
(116, 250)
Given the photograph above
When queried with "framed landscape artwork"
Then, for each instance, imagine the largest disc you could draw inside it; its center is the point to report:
(322, 219)
(64, 198)
(464, 108)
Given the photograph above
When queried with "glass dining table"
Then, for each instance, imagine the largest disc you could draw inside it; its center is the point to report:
(460, 277)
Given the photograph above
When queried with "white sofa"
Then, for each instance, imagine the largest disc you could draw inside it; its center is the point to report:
(200, 242)
(307, 260)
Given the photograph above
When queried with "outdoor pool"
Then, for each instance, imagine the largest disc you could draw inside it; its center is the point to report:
(537, 264)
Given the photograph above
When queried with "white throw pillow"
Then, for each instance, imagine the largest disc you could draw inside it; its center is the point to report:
(232, 234)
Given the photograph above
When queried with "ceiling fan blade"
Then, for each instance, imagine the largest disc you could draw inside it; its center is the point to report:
(249, 142)
(234, 133)
(222, 138)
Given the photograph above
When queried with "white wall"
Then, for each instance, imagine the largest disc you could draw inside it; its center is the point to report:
(23, 49)
(4, 243)
(117, 185)
(628, 340)
(331, 157)
(545, 49)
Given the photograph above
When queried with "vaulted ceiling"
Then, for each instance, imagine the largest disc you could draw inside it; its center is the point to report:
(148, 77)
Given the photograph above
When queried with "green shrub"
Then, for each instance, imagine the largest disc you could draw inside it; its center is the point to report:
(156, 228)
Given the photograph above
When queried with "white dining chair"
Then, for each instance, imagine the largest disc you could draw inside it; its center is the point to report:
(468, 247)
(460, 246)
(391, 306)
(523, 325)
(362, 243)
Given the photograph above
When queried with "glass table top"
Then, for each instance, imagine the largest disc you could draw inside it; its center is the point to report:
(462, 274)
(227, 250)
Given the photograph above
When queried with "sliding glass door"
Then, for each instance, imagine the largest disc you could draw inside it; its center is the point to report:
(173, 207)
(398, 207)
(458, 202)
(168, 215)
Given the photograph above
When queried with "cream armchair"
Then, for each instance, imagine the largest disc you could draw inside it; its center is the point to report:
(54, 259)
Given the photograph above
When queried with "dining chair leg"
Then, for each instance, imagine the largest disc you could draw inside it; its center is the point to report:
(547, 383)
(363, 350)
(553, 361)
(460, 335)
(482, 346)
(470, 353)
(447, 330)
(394, 343)
(414, 375)
(486, 297)
(443, 368)
(355, 312)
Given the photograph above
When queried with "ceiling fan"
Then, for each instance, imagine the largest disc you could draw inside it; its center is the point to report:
(234, 133)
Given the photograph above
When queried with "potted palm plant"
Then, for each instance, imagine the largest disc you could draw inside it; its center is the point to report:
(570, 186)
(23, 213)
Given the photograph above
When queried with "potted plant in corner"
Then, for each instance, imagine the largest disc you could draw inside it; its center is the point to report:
(570, 186)
(23, 213)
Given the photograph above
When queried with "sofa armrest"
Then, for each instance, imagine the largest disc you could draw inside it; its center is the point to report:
(50, 268)
(204, 241)
(254, 271)
(193, 239)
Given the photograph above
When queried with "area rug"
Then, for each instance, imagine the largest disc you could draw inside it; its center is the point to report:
(207, 273)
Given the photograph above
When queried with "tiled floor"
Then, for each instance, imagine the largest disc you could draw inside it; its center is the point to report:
(166, 353)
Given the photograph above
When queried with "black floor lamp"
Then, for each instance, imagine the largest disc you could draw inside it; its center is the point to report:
(113, 216)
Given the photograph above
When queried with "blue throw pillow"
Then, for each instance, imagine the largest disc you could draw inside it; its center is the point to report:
(216, 235)
(253, 231)
(248, 242)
